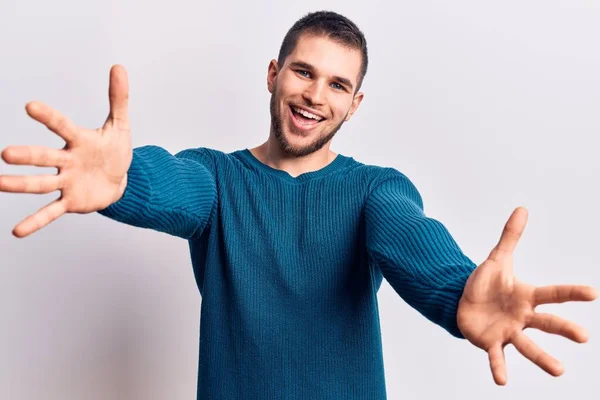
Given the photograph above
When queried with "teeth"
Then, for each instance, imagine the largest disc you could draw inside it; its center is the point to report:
(307, 114)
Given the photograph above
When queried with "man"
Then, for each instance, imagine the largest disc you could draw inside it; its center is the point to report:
(290, 241)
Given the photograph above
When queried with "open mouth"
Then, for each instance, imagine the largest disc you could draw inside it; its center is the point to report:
(303, 122)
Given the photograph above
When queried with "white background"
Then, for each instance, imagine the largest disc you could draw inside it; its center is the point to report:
(485, 106)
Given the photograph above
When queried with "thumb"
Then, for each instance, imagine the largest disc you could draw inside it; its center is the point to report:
(118, 96)
(511, 234)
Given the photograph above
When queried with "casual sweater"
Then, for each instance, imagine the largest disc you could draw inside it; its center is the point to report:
(288, 268)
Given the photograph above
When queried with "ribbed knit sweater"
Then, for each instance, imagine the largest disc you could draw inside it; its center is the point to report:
(288, 268)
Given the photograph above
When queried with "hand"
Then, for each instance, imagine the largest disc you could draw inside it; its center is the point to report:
(495, 307)
(92, 167)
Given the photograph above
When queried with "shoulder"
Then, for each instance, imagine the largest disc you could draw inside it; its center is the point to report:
(377, 175)
(388, 182)
(217, 161)
(200, 154)
(211, 158)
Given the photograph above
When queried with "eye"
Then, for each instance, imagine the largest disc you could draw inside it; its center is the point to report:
(339, 87)
(301, 71)
(306, 74)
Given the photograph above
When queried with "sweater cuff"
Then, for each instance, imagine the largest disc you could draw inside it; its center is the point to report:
(452, 327)
(137, 194)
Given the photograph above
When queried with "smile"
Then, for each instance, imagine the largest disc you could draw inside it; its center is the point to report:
(304, 120)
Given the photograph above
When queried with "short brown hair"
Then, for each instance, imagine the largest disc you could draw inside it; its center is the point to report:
(333, 26)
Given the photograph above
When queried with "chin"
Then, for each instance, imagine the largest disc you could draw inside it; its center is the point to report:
(299, 146)
(296, 147)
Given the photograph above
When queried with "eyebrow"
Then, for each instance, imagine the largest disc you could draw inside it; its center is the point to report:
(309, 67)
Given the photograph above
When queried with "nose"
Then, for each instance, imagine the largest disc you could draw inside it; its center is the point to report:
(315, 93)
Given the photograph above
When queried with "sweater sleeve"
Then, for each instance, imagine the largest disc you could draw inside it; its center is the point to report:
(174, 194)
(416, 254)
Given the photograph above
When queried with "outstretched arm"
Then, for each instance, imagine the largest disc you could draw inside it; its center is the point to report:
(416, 254)
(487, 305)
(99, 171)
(496, 307)
(167, 193)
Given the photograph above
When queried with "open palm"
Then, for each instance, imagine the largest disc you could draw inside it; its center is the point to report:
(92, 167)
(496, 307)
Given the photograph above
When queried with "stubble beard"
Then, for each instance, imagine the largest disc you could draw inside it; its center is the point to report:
(284, 145)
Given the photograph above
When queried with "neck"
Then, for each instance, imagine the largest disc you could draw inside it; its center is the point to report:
(270, 153)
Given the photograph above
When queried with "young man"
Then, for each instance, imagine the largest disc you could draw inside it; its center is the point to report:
(290, 241)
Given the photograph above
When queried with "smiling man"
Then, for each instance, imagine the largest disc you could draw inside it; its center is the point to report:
(314, 91)
(290, 241)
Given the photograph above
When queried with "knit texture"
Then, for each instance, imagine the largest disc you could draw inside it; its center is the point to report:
(289, 267)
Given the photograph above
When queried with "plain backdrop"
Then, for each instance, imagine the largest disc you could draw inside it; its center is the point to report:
(485, 106)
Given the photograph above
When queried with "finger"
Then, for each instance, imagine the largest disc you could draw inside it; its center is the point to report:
(34, 155)
(497, 364)
(118, 95)
(558, 326)
(563, 293)
(532, 352)
(40, 219)
(511, 234)
(30, 184)
(53, 119)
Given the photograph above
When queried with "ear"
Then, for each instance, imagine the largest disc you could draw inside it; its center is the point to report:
(358, 97)
(272, 75)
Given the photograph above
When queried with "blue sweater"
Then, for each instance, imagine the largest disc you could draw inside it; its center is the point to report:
(289, 267)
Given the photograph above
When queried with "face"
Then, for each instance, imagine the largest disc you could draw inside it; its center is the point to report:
(320, 77)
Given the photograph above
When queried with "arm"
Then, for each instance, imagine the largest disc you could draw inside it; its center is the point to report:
(416, 254)
(174, 194)
(485, 304)
(99, 171)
